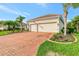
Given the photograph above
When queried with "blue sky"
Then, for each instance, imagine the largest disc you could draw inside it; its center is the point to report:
(10, 11)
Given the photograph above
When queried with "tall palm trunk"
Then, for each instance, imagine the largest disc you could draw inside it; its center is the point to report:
(65, 23)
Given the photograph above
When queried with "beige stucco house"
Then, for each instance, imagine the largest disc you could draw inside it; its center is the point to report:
(47, 23)
(2, 27)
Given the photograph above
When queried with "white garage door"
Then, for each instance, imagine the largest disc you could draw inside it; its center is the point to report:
(48, 27)
(34, 28)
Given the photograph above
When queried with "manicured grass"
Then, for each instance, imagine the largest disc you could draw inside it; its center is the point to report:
(5, 32)
(65, 49)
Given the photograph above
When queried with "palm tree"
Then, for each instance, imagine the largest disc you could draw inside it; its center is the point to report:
(19, 19)
(66, 6)
(14, 25)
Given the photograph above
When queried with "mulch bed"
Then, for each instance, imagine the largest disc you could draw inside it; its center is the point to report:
(62, 38)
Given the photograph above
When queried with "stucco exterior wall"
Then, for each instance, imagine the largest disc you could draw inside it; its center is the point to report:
(61, 24)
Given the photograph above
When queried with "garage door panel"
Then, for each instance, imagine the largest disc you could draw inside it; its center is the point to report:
(34, 27)
(47, 27)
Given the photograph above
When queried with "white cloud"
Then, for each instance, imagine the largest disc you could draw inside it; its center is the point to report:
(26, 13)
(9, 10)
(6, 9)
(68, 20)
(42, 4)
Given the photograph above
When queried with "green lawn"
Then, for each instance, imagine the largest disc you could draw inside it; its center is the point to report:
(65, 49)
(5, 32)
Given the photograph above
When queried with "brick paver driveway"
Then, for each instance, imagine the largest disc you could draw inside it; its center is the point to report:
(22, 44)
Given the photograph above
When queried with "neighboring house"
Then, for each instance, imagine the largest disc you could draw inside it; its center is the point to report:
(2, 27)
(47, 23)
(5, 27)
(24, 26)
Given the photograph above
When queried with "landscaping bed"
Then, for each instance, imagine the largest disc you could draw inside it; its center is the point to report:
(61, 49)
(61, 38)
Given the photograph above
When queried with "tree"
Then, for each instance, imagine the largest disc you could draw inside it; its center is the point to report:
(70, 27)
(11, 24)
(1, 23)
(19, 19)
(14, 25)
(66, 6)
(76, 23)
(8, 23)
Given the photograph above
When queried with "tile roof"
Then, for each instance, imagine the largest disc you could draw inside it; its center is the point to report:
(45, 17)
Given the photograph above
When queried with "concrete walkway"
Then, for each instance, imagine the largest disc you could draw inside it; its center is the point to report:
(22, 44)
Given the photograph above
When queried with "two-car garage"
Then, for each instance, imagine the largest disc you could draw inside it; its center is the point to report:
(48, 23)
(49, 27)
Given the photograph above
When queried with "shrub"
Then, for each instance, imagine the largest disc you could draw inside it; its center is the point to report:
(27, 30)
(69, 30)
